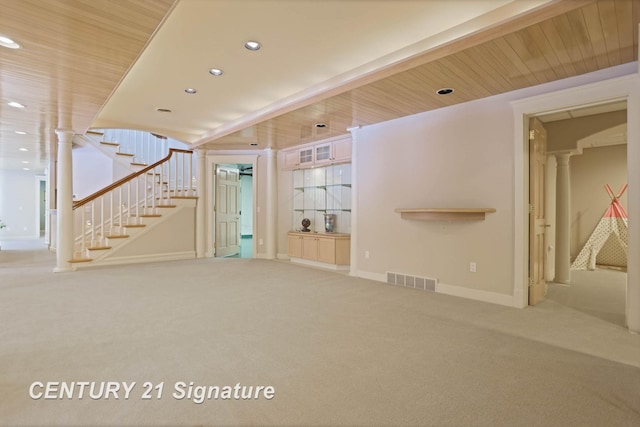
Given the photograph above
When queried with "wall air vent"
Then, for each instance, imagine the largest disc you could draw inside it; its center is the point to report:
(408, 281)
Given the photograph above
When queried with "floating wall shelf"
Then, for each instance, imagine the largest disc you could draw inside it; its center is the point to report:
(445, 214)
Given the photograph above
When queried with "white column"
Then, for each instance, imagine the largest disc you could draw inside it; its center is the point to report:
(633, 208)
(64, 202)
(271, 204)
(353, 269)
(201, 192)
(563, 219)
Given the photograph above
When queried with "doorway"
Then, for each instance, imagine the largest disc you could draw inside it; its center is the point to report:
(41, 206)
(603, 92)
(598, 157)
(227, 224)
(232, 206)
(595, 168)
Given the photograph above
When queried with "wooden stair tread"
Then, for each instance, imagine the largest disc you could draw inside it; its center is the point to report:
(185, 197)
(150, 216)
(94, 132)
(80, 260)
(116, 236)
(113, 144)
(125, 154)
(134, 225)
(99, 248)
(138, 164)
(166, 206)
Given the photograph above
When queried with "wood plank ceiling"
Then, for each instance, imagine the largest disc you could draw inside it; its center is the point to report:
(73, 57)
(77, 52)
(584, 37)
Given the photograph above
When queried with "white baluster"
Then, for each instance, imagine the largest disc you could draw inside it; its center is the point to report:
(102, 227)
(153, 191)
(110, 219)
(83, 232)
(138, 219)
(190, 174)
(184, 174)
(93, 223)
(168, 180)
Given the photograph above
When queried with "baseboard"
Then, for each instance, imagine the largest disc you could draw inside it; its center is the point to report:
(371, 276)
(457, 291)
(475, 294)
(319, 264)
(283, 256)
(138, 259)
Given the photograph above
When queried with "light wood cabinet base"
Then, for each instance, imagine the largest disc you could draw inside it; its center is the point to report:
(328, 250)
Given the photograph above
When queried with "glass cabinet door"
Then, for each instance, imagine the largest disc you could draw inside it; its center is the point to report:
(306, 156)
(323, 153)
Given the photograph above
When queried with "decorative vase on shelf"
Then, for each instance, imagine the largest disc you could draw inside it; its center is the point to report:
(329, 222)
(306, 222)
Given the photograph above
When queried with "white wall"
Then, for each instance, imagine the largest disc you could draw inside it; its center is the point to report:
(18, 207)
(458, 157)
(92, 170)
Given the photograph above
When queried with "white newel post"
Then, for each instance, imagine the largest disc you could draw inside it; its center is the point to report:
(633, 208)
(64, 202)
(563, 219)
(353, 269)
(201, 183)
(271, 202)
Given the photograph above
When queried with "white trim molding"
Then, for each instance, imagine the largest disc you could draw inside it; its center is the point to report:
(474, 294)
(616, 89)
(219, 158)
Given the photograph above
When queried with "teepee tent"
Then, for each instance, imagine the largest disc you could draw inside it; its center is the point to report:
(608, 242)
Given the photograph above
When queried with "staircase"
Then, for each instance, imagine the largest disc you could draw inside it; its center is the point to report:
(131, 148)
(146, 216)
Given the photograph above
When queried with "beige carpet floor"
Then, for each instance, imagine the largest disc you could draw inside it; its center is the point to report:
(338, 350)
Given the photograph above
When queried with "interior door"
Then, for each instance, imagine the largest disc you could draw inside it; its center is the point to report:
(227, 211)
(537, 220)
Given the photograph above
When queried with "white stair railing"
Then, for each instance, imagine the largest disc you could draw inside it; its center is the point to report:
(146, 147)
(107, 213)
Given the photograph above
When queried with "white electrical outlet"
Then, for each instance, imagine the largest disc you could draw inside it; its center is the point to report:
(472, 267)
(366, 254)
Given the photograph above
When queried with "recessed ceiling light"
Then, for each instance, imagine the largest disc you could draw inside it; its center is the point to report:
(444, 91)
(20, 132)
(215, 72)
(23, 149)
(26, 169)
(163, 110)
(25, 162)
(252, 45)
(16, 104)
(190, 90)
(321, 125)
(7, 42)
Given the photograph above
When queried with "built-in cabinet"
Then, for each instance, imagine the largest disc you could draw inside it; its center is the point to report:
(327, 248)
(321, 188)
(321, 191)
(318, 154)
